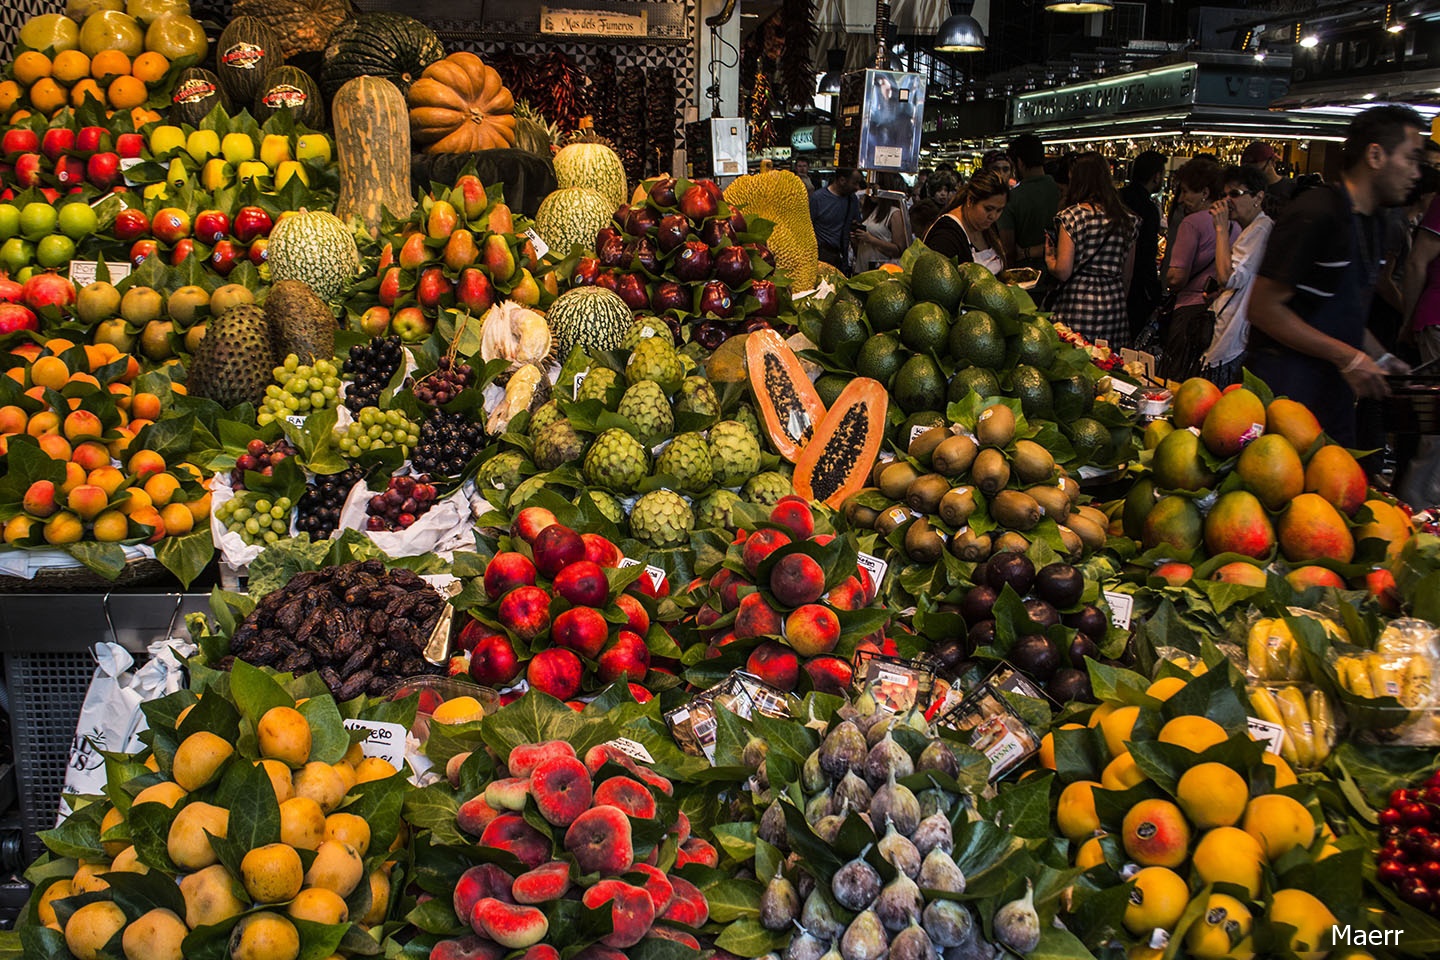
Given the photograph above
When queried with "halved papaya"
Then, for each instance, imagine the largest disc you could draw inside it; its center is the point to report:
(787, 399)
(836, 462)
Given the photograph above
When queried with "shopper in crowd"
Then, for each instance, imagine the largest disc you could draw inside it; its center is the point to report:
(1432, 153)
(967, 230)
(1093, 254)
(1147, 175)
(921, 188)
(943, 187)
(1421, 483)
(1311, 298)
(802, 170)
(1190, 275)
(1242, 202)
(881, 235)
(998, 162)
(1278, 190)
(1196, 186)
(1032, 205)
(834, 210)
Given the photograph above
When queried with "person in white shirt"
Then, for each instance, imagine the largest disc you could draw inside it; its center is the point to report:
(1241, 201)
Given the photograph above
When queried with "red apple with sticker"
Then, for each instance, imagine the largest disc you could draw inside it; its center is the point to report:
(211, 226)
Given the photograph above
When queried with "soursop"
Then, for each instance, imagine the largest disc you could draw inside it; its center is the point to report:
(658, 360)
(687, 459)
(716, 509)
(767, 488)
(545, 415)
(502, 471)
(646, 406)
(616, 461)
(602, 384)
(607, 503)
(643, 329)
(558, 443)
(734, 453)
(234, 363)
(697, 396)
(662, 518)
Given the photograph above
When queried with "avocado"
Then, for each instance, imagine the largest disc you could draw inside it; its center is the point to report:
(1033, 389)
(919, 385)
(976, 340)
(977, 379)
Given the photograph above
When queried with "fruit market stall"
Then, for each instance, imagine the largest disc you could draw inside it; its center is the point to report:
(579, 568)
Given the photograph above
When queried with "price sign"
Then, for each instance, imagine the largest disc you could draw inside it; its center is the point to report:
(541, 247)
(656, 575)
(84, 272)
(874, 566)
(1121, 606)
(1271, 734)
(631, 749)
(295, 421)
(383, 740)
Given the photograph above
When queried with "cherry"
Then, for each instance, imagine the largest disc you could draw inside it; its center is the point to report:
(1430, 796)
(1415, 814)
(245, 462)
(1414, 891)
(1430, 871)
(255, 447)
(1391, 872)
(406, 519)
(375, 523)
(1390, 817)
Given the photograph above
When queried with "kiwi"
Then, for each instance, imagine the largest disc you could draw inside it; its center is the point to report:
(1032, 463)
(967, 545)
(923, 446)
(1071, 488)
(1094, 516)
(1012, 542)
(880, 464)
(954, 455)
(957, 505)
(995, 426)
(896, 479)
(922, 543)
(890, 519)
(1091, 534)
(1015, 510)
(990, 471)
(925, 492)
(1074, 546)
(1052, 500)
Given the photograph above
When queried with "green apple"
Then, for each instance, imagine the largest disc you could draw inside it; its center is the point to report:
(16, 254)
(202, 145)
(313, 146)
(9, 221)
(78, 220)
(54, 250)
(236, 148)
(37, 219)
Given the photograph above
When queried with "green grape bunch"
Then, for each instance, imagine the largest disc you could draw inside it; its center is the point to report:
(255, 517)
(376, 429)
(300, 389)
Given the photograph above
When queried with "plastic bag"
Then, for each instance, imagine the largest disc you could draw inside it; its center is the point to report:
(446, 525)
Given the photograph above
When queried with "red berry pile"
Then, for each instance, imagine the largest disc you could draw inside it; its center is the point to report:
(405, 500)
(445, 383)
(1409, 857)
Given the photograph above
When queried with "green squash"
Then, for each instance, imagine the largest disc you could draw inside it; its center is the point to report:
(389, 45)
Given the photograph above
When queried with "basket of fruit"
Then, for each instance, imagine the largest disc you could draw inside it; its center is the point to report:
(55, 571)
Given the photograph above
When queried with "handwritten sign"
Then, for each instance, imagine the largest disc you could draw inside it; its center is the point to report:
(656, 575)
(593, 23)
(84, 272)
(383, 740)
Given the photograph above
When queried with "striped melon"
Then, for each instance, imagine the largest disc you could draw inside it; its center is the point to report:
(572, 216)
(315, 247)
(588, 164)
(593, 317)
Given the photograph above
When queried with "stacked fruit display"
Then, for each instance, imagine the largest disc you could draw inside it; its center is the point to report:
(554, 608)
(679, 250)
(1281, 492)
(1408, 851)
(596, 859)
(66, 155)
(788, 603)
(275, 840)
(936, 333)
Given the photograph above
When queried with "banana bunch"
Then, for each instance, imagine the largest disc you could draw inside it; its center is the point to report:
(1308, 721)
(1407, 677)
(1273, 653)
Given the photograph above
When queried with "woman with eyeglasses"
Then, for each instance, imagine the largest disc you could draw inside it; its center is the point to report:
(1191, 273)
(1242, 200)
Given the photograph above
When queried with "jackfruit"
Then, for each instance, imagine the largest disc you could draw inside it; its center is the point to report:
(779, 196)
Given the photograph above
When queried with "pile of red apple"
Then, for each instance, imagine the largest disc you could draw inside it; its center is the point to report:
(770, 595)
(683, 252)
(1409, 857)
(222, 240)
(458, 250)
(65, 160)
(545, 615)
(595, 858)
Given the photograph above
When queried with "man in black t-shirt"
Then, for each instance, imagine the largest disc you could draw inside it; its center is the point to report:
(1311, 300)
(1147, 174)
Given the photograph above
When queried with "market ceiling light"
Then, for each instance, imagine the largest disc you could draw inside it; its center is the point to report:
(1393, 23)
(960, 33)
(1079, 6)
(829, 84)
(1261, 52)
(1308, 39)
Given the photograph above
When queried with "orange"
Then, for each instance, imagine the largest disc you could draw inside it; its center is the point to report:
(19, 115)
(47, 96)
(32, 65)
(86, 88)
(127, 92)
(150, 67)
(71, 66)
(109, 64)
(10, 93)
(139, 116)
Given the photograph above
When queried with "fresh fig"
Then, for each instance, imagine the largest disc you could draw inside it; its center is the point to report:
(817, 917)
(933, 833)
(894, 803)
(772, 826)
(912, 943)
(899, 904)
(1017, 925)
(851, 791)
(805, 946)
(812, 778)
(887, 760)
(865, 938)
(900, 852)
(879, 726)
(843, 750)
(827, 828)
(948, 923)
(779, 904)
(856, 885)
(819, 805)
(939, 758)
(754, 753)
(939, 872)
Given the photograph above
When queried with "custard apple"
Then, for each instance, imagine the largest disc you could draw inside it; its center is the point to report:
(645, 327)
(687, 459)
(545, 415)
(662, 518)
(734, 453)
(602, 384)
(616, 461)
(609, 506)
(502, 471)
(645, 405)
(658, 360)
(746, 415)
(767, 488)
(688, 363)
(559, 442)
(697, 396)
(716, 509)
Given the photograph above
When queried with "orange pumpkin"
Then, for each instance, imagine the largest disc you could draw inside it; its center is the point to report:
(460, 105)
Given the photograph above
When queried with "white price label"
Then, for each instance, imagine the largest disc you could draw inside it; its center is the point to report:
(1123, 388)
(631, 749)
(383, 740)
(83, 272)
(125, 165)
(541, 247)
(1271, 734)
(888, 157)
(656, 575)
(579, 379)
(917, 430)
(294, 420)
(874, 566)
(1121, 606)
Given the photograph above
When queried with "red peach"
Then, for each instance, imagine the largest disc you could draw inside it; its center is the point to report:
(629, 795)
(477, 883)
(509, 831)
(555, 548)
(797, 579)
(793, 513)
(1175, 574)
(583, 584)
(812, 630)
(582, 629)
(493, 661)
(756, 618)
(600, 841)
(776, 664)
(849, 595)
(638, 618)
(727, 584)
(600, 551)
(631, 911)
(529, 522)
(525, 611)
(695, 850)
(562, 790)
(555, 671)
(760, 545)
(628, 658)
(526, 757)
(830, 674)
(547, 882)
(506, 571)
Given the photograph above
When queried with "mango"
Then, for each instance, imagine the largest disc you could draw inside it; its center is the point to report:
(1174, 521)
(1312, 529)
(1271, 469)
(1389, 523)
(1236, 419)
(1293, 421)
(1193, 401)
(1238, 524)
(1178, 465)
(1335, 475)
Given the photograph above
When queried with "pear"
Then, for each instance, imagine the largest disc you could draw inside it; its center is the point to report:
(1017, 925)
(899, 852)
(865, 938)
(899, 903)
(856, 885)
(844, 749)
(887, 760)
(817, 917)
(939, 872)
(851, 791)
(934, 833)
(894, 803)
(912, 943)
(779, 904)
